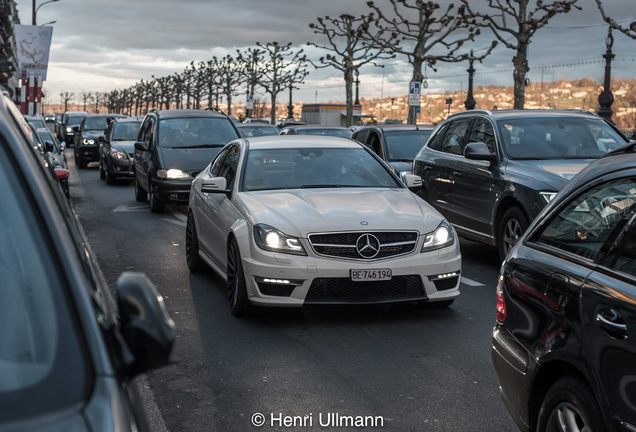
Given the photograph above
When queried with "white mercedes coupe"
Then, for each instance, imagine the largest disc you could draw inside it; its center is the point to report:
(294, 220)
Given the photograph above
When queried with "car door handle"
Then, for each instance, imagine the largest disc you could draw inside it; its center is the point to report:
(428, 167)
(612, 323)
(457, 174)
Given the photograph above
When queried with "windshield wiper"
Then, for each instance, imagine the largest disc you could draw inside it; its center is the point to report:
(201, 146)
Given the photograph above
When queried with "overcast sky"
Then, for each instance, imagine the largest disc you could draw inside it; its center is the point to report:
(112, 44)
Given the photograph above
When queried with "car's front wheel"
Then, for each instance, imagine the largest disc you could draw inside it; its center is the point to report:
(140, 194)
(195, 264)
(513, 224)
(570, 405)
(110, 177)
(102, 173)
(240, 305)
(156, 205)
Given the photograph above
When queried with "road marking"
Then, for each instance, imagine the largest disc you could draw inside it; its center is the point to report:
(125, 208)
(471, 282)
(183, 218)
(176, 222)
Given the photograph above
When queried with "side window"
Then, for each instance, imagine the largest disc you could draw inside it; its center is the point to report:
(374, 143)
(227, 165)
(454, 139)
(218, 163)
(438, 139)
(483, 131)
(361, 136)
(583, 226)
(146, 131)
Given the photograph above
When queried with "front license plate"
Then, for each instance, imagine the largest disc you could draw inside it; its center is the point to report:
(370, 275)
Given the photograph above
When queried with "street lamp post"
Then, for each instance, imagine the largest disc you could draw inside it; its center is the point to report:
(35, 10)
(290, 107)
(606, 98)
(357, 81)
(470, 100)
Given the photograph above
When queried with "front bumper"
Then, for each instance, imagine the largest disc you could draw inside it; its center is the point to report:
(89, 153)
(172, 191)
(121, 167)
(277, 279)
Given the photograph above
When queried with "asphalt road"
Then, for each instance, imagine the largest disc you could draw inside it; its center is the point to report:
(390, 368)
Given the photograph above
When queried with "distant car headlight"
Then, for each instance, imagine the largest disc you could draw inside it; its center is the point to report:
(118, 154)
(547, 196)
(69, 130)
(172, 174)
(88, 141)
(271, 239)
(440, 238)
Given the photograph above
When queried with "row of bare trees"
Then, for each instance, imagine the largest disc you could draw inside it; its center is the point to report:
(420, 31)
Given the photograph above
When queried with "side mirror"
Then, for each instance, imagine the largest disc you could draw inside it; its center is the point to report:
(412, 181)
(478, 151)
(215, 185)
(141, 146)
(146, 326)
(101, 139)
(48, 146)
(75, 129)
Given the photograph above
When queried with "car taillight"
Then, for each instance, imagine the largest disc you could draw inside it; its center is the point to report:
(501, 303)
(62, 173)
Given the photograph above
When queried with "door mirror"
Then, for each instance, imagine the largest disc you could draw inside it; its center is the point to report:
(141, 146)
(215, 185)
(48, 146)
(146, 326)
(479, 151)
(101, 139)
(412, 181)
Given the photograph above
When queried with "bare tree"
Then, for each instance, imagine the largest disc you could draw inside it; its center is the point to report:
(211, 77)
(252, 58)
(279, 67)
(66, 97)
(631, 31)
(346, 38)
(86, 97)
(230, 76)
(514, 24)
(416, 31)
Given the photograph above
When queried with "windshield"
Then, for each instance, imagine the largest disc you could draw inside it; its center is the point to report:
(95, 123)
(402, 146)
(37, 123)
(195, 132)
(558, 138)
(256, 130)
(74, 120)
(42, 365)
(293, 168)
(344, 133)
(126, 131)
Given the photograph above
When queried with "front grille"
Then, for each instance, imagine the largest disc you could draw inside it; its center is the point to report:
(344, 290)
(343, 245)
(446, 284)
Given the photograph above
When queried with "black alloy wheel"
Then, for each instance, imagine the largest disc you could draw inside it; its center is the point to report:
(193, 260)
(156, 205)
(140, 194)
(110, 177)
(240, 305)
(570, 405)
(513, 224)
(102, 174)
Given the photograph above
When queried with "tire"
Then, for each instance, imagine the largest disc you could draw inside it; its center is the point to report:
(240, 305)
(102, 173)
(513, 224)
(194, 261)
(140, 194)
(110, 177)
(156, 205)
(80, 163)
(570, 405)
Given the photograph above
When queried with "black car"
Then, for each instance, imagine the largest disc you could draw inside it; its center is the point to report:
(336, 131)
(173, 147)
(396, 144)
(250, 130)
(117, 149)
(491, 172)
(65, 131)
(66, 361)
(86, 137)
(564, 345)
(36, 120)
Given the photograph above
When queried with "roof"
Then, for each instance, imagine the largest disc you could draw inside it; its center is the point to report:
(175, 113)
(313, 126)
(299, 141)
(511, 113)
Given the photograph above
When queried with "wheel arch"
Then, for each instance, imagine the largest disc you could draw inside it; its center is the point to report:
(503, 206)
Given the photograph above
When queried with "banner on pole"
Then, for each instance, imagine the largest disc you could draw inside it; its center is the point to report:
(33, 46)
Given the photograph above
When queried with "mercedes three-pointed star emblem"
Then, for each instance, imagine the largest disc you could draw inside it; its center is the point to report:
(368, 246)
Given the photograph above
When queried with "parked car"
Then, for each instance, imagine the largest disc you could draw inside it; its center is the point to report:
(45, 150)
(36, 120)
(296, 220)
(491, 172)
(65, 127)
(66, 361)
(321, 130)
(117, 149)
(396, 144)
(564, 345)
(256, 120)
(86, 137)
(173, 147)
(250, 130)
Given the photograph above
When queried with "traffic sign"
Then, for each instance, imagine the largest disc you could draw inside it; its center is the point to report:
(249, 102)
(414, 93)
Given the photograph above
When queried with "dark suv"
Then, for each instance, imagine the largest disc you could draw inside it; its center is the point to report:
(173, 147)
(67, 357)
(396, 144)
(491, 172)
(87, 135)
(116, 149)
(65, 131)
(564, 345)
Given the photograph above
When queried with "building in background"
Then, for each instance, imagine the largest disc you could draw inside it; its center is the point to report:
(329, 114)
(9, 74)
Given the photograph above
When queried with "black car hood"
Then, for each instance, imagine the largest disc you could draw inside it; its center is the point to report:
(94, 134)
(400, 167)
(187, 159)
(555, 173)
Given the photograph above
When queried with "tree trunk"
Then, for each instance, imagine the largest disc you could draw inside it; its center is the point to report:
(417, 77)
(272, 112)
(349, 95)
(520, 62)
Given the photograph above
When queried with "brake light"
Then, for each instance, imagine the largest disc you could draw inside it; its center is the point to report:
(62, 173)
(501, 303)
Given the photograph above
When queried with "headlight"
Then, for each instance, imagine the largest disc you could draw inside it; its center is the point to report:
(88, 141)
(69, 130)
(173, 174)
(440, 238)
(547, 196)
(118, 154)
(270, 239)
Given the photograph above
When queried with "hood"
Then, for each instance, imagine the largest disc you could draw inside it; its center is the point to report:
(187, 159)
(303, 211)
(555, 173)
(125, 146)
(94, 134)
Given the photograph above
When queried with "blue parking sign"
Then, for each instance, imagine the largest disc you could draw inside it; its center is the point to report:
(414, 93)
